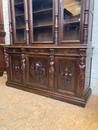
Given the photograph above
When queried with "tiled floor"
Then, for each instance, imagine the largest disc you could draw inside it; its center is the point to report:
(21, 110)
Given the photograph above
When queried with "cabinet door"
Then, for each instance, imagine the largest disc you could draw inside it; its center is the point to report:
(37, 71)
(66, 72)
(19, 21)
(70, 21)
(16, 71)
(41, 21)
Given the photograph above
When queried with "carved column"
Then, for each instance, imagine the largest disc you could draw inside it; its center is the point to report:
(26, 22)
(6, 58)
(51, 68)
(10, 24)
(81, 72)
(56, 22)
(23, 64)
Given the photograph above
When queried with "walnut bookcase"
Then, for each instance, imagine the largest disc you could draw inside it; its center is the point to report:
(50, 52)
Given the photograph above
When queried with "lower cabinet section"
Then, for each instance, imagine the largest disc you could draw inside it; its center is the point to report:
(56, 73)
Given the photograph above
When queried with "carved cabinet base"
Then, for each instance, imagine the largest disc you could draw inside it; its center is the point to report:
(58, 73)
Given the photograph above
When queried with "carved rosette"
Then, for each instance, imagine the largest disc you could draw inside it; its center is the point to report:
(23, 62)
(6, 58)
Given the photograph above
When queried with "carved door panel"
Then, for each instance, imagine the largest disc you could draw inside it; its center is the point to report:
(16, 70)
(65, 75)
(37, 74)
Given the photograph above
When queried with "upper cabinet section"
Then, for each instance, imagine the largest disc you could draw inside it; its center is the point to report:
(41, 21)
(70, 23)
(50, 22)
(19, 16)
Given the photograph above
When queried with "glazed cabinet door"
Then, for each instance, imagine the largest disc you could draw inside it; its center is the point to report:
(66, 75)
(16, 74)
(41, 13)
(70, 22)
(19, 16)
(37, 71)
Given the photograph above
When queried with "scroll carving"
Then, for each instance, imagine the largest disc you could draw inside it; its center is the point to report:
(67, 74)
(38, 72)
(38, 69)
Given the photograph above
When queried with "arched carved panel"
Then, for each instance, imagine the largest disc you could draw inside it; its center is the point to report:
(38, 71)
(16, 68)
(66, 75)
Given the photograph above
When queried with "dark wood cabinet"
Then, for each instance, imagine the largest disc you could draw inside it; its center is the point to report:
(2, 40)
(50, 52)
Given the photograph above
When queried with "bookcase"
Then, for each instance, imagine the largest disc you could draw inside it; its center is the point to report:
(51, 51)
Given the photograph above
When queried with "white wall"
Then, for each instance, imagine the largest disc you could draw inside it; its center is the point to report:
(94, 76)
(6, 21)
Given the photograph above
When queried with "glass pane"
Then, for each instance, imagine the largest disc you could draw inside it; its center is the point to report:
(71, 16)
(42, 20)
(20, 21)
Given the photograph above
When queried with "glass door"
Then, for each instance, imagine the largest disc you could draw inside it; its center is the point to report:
(71, 20)
(19, 21)
(42, 21)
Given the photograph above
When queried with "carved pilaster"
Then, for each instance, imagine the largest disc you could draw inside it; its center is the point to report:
(56, 22)
(26, 22)
(23, 62)
(85, 26)
(81, 78)
(6, 58)
(10, 23)
(51, 68)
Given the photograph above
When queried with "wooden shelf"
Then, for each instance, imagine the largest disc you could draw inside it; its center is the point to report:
(19, 3)
(43, 25)
(42, 10)
(19, 15)
(42, 42)
(72, 20)
(21, 27)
